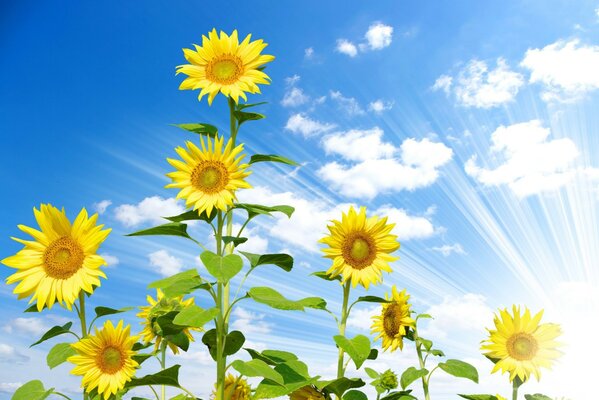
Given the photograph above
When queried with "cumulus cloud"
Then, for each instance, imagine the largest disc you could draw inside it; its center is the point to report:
(566, 69)
(29, 326)
(101, 206)
(532, 163)
(361, 318)
(294, 96)
(112, 261)
(249, 322)
(344, 46)
(165, 263)
(150, 209)
(9, 387)
(407, 226)
(448, 249)
(349, 105)
(379, 36)
(358, 145)
(378, 106)
(9, 355)
(301, 123)
(443, 83)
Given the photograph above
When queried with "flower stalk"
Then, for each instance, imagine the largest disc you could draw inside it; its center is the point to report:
(421, 362)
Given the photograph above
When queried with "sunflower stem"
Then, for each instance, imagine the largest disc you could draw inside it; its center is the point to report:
(81, 312)
(422, 363)
(515, 387)
(342, 324)
(163, 366)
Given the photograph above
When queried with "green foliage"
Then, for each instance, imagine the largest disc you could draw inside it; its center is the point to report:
(283, 261)
(53, 332)
(340, 385)
(537, 396)
(32, 390)
(222, 268)
(371, 299)
(401, 395)
(295, 375)
(354, 395)
(59, 354)
(242, 116)
(256, 209)
(192, 215)
(166, 377)
(479, 396)
(324, 275)
(271, 158)
(104, 311)
(179, 284)
(200, 129)
(256, 367)
(460, 369)
(234, 239)
(410, 375)
(357, 348)
(170, 229)
(195, 317)
(233, 342)
(274, 299)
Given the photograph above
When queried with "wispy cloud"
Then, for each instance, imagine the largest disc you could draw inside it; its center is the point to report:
(150, 209)
(306, 126)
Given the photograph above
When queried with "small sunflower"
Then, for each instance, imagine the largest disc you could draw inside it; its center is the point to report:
(393, 323)
(61, 260)
(209, 177)
(236, 388)
(224, 65)
(306, 393)
(360, 247)
(105, 359)
(521, 344)
(158, 308)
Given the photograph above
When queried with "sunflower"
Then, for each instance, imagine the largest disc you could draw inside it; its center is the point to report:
(306, 393)
(61, 260)
(105, 359)
(209, 177)
(521, 345)
(158, 308)
(224, 65)
(393, 323)
(360, 247)
(236, 388)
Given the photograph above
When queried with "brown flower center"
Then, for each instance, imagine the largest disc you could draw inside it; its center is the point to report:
(522, 346)
(110, 360)
(225, 69)
(392, 319)
(358, 250)
(210, 176)
(63, 258)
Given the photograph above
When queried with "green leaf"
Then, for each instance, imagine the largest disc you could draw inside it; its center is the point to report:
(460, 369)
(283, 261)
(324, 275)
(354, 395)
(166, 377)
(341, 385)
(257, 367)
(59, 354)
(480, 397)
(179, 284)
(423, 316)
(234, 342)
(140, 358)
(222, 268)
(194, 316)
(243, 116)
(357, 348)
(32, 390)
(279, 356)
(314, 302)
(234, 239)
(258, 209)
(54, 331)
(248, 105)
(428, 344)
(403, 395)
(192, 215)
(181, 340)
(437, 353)
(410, 375)
(33, 308)
(295, 375)
(274, 299)
(200, 129)
(371, 299)
(140, 346)
(371, 373)
(103, 311)
(374, 353)
(271, 158)
(170, 229)
(536, 396)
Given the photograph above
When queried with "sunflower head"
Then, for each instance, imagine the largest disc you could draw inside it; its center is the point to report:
(208, 177)
(236, 388)
(306, 393)
(520, 344)
(388, 380)
(223, 65)
(360, 247)
(105, 360)
(394, 321)
(157, 308)
(61, 259)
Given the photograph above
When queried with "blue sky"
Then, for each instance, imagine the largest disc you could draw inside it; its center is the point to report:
(472, 125)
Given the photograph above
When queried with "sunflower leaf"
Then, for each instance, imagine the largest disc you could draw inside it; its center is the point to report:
(32, 390)
(234, 239)
(536, 396)
(324, 275)
(59, 354)
(256, 209)
(460, 369)
(241, 106)
(371, 299)
(242, 116)
(192, 215)
(283, 261)
(295, 375)
(53, 332)
(170, 229)
(222, 268)
(354, 395)
(410, 375)
(357, 348)
(103, 311)
(341, 385)
(166, 377)
(194, 316)
(256, 367)
(179, 284)
(274, 299)
(200, 129)
(480, 397)
(403, 395)
(271, 158)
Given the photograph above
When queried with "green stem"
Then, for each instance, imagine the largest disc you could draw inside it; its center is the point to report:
(60, 394)
(81, 312)
(422, 364)
(163, 366)
(514, 390)
(342, 324)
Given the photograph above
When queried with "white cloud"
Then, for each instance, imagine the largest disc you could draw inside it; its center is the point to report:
(294, 97)
(346, 47)
(309, 53)
(101, 206)
(10, 355)
(477, 86)
(9, 387)
(378, 106)
(250, 322)
(532, 163)
(29, 326)
(166, 264)
(379, 36)
(444, 83)
(448, 250)
(112, 261)
(416, 167)
(348, 105)
(292, 80)
(407, 226)
(359, 145)
(255, 244)
(300, 123)
(567, 70)
(150, 209)
(361, 318)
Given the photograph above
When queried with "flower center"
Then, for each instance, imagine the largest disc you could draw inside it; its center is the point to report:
(358, 250)
(110, 360)
(63, 258)
(225, 69)
(522, 346)
(210, 176)
(392, 319)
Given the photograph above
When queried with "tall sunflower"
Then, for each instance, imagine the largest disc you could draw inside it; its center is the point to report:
(61, 260)
(105, 359)
(393, 323)
(360, 247)
(209, 177)
(520, 344)
(306, 393)
(236, 388)
(224, 65)
(157, 308)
